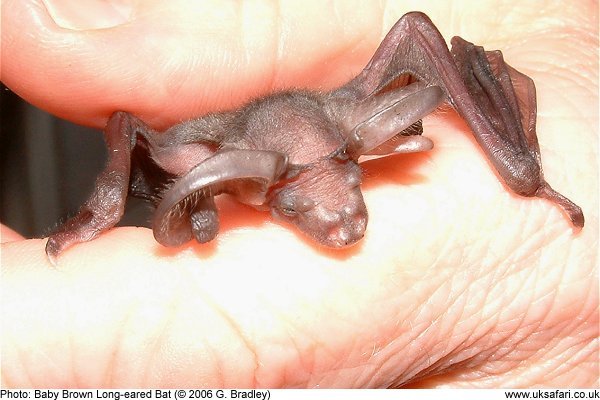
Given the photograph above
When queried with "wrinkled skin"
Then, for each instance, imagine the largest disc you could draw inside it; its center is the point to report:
(447, 293)
(339, 219)
(297, 151)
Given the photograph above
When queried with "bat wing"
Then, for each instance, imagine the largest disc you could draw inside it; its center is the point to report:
(496, 101)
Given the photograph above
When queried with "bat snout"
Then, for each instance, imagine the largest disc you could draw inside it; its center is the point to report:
(345, 236)
(349, 229)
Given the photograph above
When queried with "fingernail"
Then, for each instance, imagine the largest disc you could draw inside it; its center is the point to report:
(89, 14)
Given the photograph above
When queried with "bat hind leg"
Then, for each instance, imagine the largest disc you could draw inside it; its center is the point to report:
(196, 217)
(105, 206)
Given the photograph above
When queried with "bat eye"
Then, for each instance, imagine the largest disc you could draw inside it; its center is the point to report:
(291, 206)
(287, 207)
(341, 155)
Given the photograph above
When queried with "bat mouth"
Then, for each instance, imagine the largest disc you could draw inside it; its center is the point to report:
(340, 241)
(347, 230)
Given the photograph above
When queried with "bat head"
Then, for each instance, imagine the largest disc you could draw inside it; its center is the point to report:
(325, 202)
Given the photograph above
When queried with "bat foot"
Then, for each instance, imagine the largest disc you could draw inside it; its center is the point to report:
(83, 227)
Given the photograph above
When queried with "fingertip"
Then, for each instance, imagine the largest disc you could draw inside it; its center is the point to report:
(171, 62)
(46, 66)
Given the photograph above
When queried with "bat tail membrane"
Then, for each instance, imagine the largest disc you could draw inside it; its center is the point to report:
(507, 98)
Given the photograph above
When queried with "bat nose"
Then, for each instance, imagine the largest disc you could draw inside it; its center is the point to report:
(349, 231)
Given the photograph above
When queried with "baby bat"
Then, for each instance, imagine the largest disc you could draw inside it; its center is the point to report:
(296, 152)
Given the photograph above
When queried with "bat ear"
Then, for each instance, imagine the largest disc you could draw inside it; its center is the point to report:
(376, 122)
(401, 144)
(246, 174)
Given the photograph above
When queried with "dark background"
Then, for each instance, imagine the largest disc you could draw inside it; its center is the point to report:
(48, 169)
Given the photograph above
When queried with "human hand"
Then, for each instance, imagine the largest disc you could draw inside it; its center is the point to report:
(457, 282)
